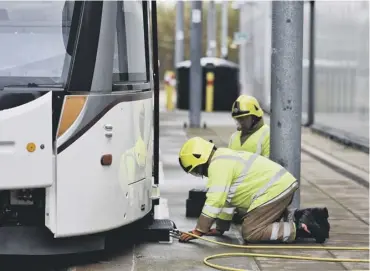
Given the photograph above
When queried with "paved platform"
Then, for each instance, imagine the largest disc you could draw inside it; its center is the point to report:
(348, 201)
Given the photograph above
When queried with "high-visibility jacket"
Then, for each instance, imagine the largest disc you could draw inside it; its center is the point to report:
(241, 180)
(258, 142)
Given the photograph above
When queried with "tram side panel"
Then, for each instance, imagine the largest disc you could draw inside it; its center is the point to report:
(93, 194)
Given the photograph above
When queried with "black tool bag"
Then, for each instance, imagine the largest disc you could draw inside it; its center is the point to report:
(195, 202)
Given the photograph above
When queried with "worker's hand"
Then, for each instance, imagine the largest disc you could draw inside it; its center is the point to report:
(186, 237)
(214, 232)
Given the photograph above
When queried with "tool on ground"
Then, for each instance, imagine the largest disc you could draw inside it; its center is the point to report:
(159, 230)
(177, 233)
(195, 202)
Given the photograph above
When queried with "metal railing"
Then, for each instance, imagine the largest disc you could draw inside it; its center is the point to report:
(335, 90)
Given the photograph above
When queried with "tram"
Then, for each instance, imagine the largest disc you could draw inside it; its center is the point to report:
(76, 122)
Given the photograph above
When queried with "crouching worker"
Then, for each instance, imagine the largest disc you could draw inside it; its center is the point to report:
(253, 184)
(252, 133)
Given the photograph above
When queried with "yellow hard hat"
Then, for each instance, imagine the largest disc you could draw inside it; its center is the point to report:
(194, 153)
(246, 105)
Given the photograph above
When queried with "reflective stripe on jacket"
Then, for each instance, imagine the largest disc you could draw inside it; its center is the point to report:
(258, 142)
(243, 180)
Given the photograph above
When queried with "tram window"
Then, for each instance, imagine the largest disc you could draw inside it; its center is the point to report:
(32, 49)
(70, 24)
(129, 64)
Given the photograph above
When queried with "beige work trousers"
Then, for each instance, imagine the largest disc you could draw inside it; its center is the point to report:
(262, 223)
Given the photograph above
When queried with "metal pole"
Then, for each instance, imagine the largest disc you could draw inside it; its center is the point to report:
(224, 33)
(286, 87)
(243, 74)
(195, 83)
(311, 68)
(250, 59)
(211, 29)
(156, 93)
(179, 46)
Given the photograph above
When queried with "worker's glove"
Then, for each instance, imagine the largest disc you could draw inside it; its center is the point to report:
(186, 237)
(214, 232)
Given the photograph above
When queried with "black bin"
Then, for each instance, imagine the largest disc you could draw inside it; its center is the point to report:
(226, 83)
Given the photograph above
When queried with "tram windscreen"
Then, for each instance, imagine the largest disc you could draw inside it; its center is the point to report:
(32, 46)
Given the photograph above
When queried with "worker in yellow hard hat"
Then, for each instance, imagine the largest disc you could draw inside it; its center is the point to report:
(256, 186)
(252, 133)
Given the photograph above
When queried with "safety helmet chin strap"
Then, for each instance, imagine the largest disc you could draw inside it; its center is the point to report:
(255, 120)
(205, 170)
(206, 165)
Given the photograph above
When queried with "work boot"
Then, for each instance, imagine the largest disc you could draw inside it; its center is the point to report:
(312, 223)
(321, 216)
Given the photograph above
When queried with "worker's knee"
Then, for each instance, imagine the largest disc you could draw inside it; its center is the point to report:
(250, 235)
(250, 239)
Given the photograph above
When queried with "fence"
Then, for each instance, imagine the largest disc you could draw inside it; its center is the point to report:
(341, 68)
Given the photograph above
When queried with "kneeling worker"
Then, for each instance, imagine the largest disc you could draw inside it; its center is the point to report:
(251, 183)
(252, 134)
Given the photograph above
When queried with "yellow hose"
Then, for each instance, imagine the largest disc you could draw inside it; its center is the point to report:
(309, 258)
